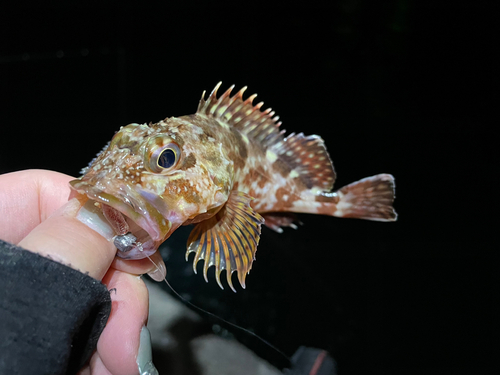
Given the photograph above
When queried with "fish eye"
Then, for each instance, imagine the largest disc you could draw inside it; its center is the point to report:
(162, 155)
(167, 158)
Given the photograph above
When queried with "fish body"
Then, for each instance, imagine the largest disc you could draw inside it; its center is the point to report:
(228, 169)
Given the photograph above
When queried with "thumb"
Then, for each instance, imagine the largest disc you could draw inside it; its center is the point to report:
(65, 239)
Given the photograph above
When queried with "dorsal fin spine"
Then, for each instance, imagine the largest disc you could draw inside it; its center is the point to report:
(224, 99)
(239, 103)
(213, 94)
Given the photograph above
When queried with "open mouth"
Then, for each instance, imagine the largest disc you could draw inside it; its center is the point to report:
(138, 226)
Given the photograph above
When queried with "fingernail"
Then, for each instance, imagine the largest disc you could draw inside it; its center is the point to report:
(159, 273)
(92, 217)
(145, 355)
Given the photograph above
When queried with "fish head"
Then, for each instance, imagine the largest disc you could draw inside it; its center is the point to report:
(158, 177)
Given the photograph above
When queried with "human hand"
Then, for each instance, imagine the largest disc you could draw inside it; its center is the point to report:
(35, 214)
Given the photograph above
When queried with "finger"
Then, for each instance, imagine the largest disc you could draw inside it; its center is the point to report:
(65, 239)
(119, 342)
(94, 367)
(97, 367)
(154, 266)
(27, 198)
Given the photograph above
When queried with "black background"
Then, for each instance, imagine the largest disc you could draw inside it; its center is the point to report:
(400, 87)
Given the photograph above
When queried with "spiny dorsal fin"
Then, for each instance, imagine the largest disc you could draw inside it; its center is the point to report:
(243, 115)
(306, 156)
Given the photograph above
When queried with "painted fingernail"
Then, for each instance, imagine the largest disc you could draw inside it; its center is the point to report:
(145, 355)
(159, 273)
(92, 217)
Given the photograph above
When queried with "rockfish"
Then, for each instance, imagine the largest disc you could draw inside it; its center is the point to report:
(227, 169)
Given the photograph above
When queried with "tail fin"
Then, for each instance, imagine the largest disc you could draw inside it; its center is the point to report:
(370, 198)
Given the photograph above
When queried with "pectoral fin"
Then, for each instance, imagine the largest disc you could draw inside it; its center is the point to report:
(227, 240)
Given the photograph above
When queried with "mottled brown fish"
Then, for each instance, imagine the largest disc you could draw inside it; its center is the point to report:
(228, 169)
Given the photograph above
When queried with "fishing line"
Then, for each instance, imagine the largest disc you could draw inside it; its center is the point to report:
(218, 317)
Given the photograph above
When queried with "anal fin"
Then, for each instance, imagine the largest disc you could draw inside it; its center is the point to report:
(278, 220)
(228, 240)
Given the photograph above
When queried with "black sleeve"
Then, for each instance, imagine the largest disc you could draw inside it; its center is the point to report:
(51, 316)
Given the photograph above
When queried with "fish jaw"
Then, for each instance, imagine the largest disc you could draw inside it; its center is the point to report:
(146, 216)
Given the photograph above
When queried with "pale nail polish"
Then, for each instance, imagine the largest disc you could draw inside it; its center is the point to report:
(92, 217)
(145, 354)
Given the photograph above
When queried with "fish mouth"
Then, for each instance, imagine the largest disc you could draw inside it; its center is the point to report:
(137, 221)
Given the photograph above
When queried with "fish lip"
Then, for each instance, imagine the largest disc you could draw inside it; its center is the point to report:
(126, 200)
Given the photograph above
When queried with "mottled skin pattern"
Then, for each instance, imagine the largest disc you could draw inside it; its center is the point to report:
(232, 163)
(253, 173)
